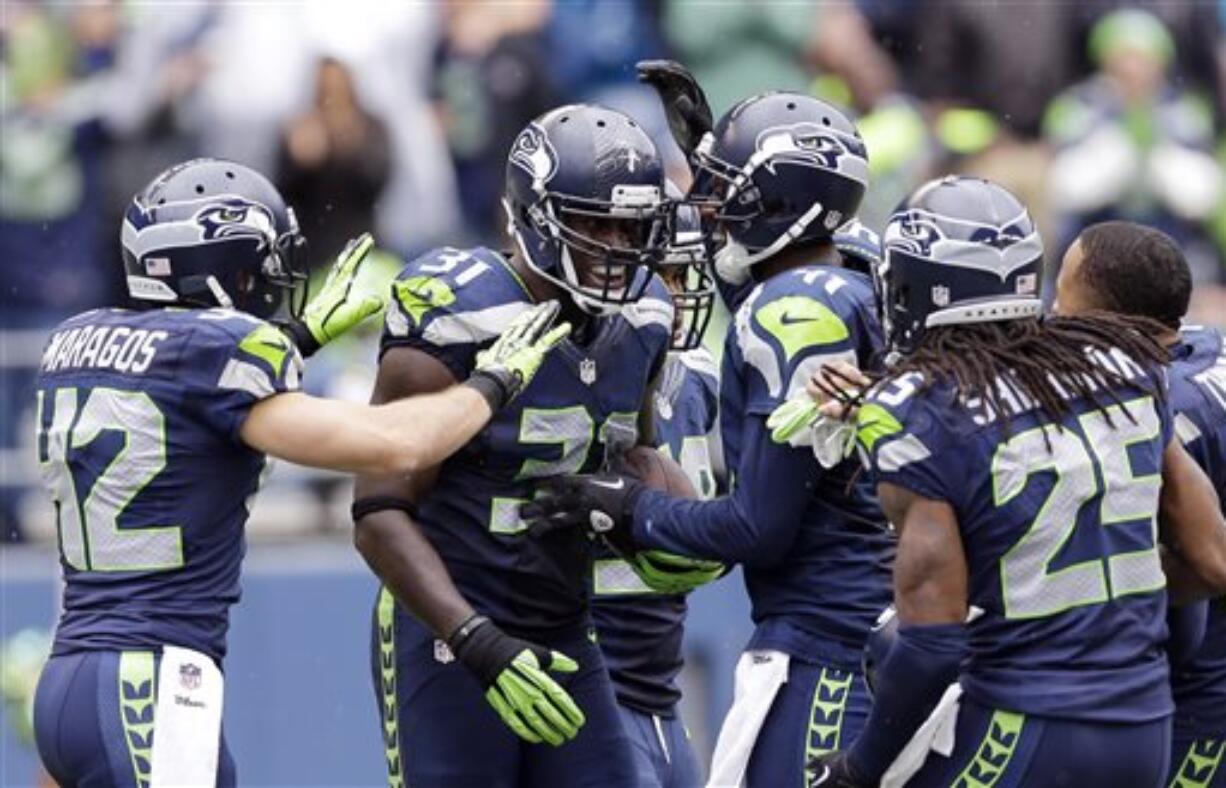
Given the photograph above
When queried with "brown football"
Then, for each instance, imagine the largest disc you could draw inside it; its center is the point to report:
(659, 472)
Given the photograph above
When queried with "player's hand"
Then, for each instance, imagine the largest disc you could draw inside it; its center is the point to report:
(517, 684)
(669, 573)
(601, 503)
(685, 105)
(833, 771)
(790, 422)
(838, 389)
(336, 308)
(505, 368)
(834, 392)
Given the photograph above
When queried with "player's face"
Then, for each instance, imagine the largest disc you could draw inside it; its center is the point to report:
(1072, 295)
(594, 270)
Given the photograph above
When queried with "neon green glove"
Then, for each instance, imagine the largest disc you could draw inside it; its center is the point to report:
(674, 574)
(336, 308)
(513, 672)
(505, 368)
(790, 422)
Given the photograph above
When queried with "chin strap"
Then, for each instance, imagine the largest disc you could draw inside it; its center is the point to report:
(586, 303)
(734, 256)
(223, 298)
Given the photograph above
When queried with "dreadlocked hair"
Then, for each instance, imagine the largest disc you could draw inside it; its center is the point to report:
(1051, 361)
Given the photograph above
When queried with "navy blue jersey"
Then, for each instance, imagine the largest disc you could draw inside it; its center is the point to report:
(815, 546)
(640, 631)
(450, 304)
(1198, 397)
(138, 439)
(1059, 526)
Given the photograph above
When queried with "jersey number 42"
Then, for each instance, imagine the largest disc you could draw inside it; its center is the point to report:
(69, 452)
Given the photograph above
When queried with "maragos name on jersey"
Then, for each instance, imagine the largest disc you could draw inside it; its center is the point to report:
(118, 347)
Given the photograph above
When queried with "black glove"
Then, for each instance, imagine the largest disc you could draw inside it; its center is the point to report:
(832, 770)
(685, 105)
(602, 503)
(517, 684)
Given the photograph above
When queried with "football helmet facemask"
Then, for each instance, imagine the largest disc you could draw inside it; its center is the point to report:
(585, 204)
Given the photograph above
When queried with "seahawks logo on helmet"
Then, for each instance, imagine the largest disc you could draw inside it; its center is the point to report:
(533, 153)
(235, 219)
(914, 233)
(996, 250)
(997, 237)
(813, 145)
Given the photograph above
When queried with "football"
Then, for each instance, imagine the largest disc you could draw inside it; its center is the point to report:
(659, 472)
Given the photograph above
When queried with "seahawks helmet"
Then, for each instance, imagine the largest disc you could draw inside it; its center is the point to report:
(778, 169)
(859, 246)
(686, 270)
(209, 233)
(959, 250)
(572, 173)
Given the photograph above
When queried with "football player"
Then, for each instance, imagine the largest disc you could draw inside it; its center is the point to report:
(640, 629)
(1029, 466)
(777, 176)
(475, 614)
(1135, 270)
(153, 428)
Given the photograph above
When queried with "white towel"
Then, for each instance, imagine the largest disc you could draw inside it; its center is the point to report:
(187, 720)
(759, 675)
(935, 735)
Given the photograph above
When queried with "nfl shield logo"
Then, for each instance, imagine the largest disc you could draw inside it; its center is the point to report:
(442, 653)
(940, 295)
(587, 371)
(189, 676)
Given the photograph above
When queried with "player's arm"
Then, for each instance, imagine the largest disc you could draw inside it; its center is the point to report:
(384, 532)
(754, 525)
(1191, 528)
(930, 593)
(399, 437)
(512, 671)
(407, 435)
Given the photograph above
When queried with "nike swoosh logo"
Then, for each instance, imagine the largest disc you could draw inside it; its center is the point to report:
(620, 483)
(787, 320)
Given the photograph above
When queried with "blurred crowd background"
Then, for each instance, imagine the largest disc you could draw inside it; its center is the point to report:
(397, 117)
